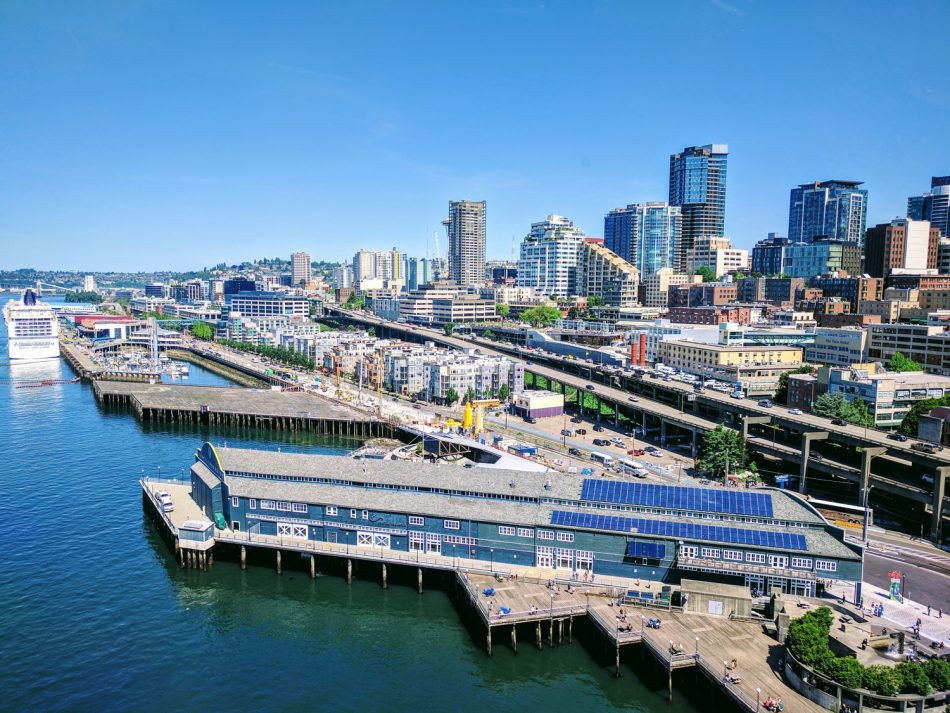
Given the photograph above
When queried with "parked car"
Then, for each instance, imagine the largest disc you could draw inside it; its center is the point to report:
(575, 451)
(580, 431)
(839, 422)
(633, 398)
(577, 419)
(567, 432)
(795, 411)
(897, 437)
(765, 403)
(530, 419)
(598, 428)
(165, 500)
(601, 442)
(589, 387)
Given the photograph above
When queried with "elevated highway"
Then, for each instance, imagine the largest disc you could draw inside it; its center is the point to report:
(674, 411)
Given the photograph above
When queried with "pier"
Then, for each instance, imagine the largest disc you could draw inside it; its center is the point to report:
(527, 606)
(226, 406)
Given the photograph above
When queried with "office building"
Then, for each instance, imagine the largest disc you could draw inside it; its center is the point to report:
(933, 206)
(266, 304)
(768, 255)
(465, 230)
(234, 286)
(754, 369)
(605, 274)
(656, 287)
(834, 210)
(301, 272)
(821, 256)
(418, 273)
(549, 259)
(647, 235)
(343, 276)
(698, 187)
(902, 244)
(838, 347)
(703, 294)
(889, 395)
(717, 254)
(855, 289)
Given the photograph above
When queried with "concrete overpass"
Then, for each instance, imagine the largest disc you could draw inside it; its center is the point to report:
(674, 410)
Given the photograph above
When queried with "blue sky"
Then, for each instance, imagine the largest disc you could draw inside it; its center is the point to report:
(169, 135)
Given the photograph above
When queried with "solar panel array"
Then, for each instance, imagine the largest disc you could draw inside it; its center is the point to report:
(650, 550)
(680, 530)
(717, 500)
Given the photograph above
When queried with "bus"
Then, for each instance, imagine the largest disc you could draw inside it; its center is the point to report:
(602, 458)
(632, 467)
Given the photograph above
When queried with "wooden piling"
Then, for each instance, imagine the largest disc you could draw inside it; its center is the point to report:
(243, 557)
(419, 578)
(349, 571)
(570, 629)
(617, 660)
(278, 561)
(537, 636)
(514, 638)
(488, 640)
(313, 567)
(385, 584)
(551, 633)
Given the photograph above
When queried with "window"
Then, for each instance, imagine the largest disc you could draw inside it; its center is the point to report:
(330, 510)
(252, 504)
(416, 520)
(826, 566)
(505, 530)
(299, 507)
(268, 505)
(801, 562)
(450, 524)
(687, 552)
(365, 514)
(733, 555)
(756, 557)
(235, 502)
(545, 535)
(282, 505)
(710, 552)
(525, 532)
(565, 537)
(352, 514)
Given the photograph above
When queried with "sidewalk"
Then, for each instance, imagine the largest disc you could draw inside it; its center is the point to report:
(898, 615)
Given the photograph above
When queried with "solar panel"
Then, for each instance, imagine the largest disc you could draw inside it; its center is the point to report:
(729, 502)
(685, 530)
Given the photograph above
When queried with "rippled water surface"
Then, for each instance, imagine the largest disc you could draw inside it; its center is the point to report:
(95, 614)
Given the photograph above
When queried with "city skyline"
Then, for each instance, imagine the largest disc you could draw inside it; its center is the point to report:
(246, 143)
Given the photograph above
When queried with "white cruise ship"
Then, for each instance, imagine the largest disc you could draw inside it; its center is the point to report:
(32, 329)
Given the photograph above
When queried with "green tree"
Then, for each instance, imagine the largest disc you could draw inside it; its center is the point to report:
(781, 393)
(83, 296)
(502, 310)
(469, 395)
(830, 405)
(722, 445)
(573, 313)
(708, 274)
(899, 362)
(847, 671)
(488, 334)
(912, 419)
(882, 679)
(541, 316)
(448, 328)
(938, 672)
(595, 301)
(202, 330)
(503, 393)
(914, 679)
(807, 638)
(740, 275)
(451, 396)
(857, 412)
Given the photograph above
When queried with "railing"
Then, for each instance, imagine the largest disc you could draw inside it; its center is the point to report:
(741, 567)
(156, 504)
(495, 616)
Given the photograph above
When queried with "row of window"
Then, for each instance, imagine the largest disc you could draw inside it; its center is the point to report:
(528, 532)
(281, 505)
(759, 558)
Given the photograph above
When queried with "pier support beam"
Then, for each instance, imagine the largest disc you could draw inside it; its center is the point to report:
(570, 629)
(560, 631)
(514, 638)
(349, 571)
(419, 578)
(669, 682)
(488, 641)
(211, 558)
(551, 633)
(243, 557)
(385, 584)
(278, 561)
(750, 420)
(617, 660)
(537, 636)
(313, 566)
(181, 557)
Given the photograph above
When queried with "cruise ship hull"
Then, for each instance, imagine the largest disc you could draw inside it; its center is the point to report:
(33, 349)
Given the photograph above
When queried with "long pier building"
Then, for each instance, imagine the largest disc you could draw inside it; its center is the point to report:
(573, 526)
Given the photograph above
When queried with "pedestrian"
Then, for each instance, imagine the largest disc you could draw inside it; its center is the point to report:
(940, 613)
(928, 610)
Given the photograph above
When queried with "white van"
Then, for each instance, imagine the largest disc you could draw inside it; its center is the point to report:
(165, 500)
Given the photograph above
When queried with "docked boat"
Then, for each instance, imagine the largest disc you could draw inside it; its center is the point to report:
(32, 329)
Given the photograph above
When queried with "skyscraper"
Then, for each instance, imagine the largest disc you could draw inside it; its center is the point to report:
(698, 187)
(301, 268)
(418, 273)
(465, 229)
(901, 244)
(647, 235)
(549, 257)
(836, 210)
(933, 206)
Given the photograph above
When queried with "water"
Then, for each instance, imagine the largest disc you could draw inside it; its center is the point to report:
(95, 614)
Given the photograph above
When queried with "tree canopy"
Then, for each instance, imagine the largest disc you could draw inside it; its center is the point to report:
(448, 328)
(503, 392)
(541, 316)
(899, 362)
(502, 310)
(721, 446)
(837, 406)
(912, 420)
(451, 396)
(202, 330)
(707, 273)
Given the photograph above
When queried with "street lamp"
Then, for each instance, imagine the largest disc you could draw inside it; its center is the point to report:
(492, 553)
(758, 692)
(697, 647)
(725, 668)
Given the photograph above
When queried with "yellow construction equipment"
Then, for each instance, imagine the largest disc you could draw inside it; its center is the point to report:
(479, 422)
(467, 417)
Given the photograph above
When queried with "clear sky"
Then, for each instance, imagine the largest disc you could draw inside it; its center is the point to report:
(170, 135)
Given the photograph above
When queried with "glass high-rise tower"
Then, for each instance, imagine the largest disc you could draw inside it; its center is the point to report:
(647, 235)
(933, 206)
(698, 187)
(836, 210)
(465, 229)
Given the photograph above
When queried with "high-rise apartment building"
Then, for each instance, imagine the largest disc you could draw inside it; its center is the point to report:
(698, 187)
(343, 276)
(418, 273)
(933, 206)
(379, 265)
(817, 258)
(364, 266)
(301, 270)
(717, 254)
(89, 283)
(605, 274)
(647, 235)
(768, 255)
(465, 230)
(836, 210)
(549, 257)
(901, 244)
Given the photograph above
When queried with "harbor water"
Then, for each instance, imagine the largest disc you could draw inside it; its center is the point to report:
(97, 616)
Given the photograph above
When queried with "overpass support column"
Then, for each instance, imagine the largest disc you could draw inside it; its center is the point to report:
(940, 485)
(749, 420)
(694, 443)
(807, 438)
(867, 455)
(662, 433)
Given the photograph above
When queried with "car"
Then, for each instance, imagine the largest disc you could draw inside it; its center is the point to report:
(598, 428)
(765, 403)
(580, 431)
(839, 422)
(567, 432)
(636, 452)
(165, 500)
(396, 399)
(530, 419)
(816, 456)
(795, 411)
(634, 399)
(655, 453)
(601, 442)
(575, 451)
(898, 437)
(926, 447)
(577, 419)
(589, 387)
(737, 395)
(417, 406)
